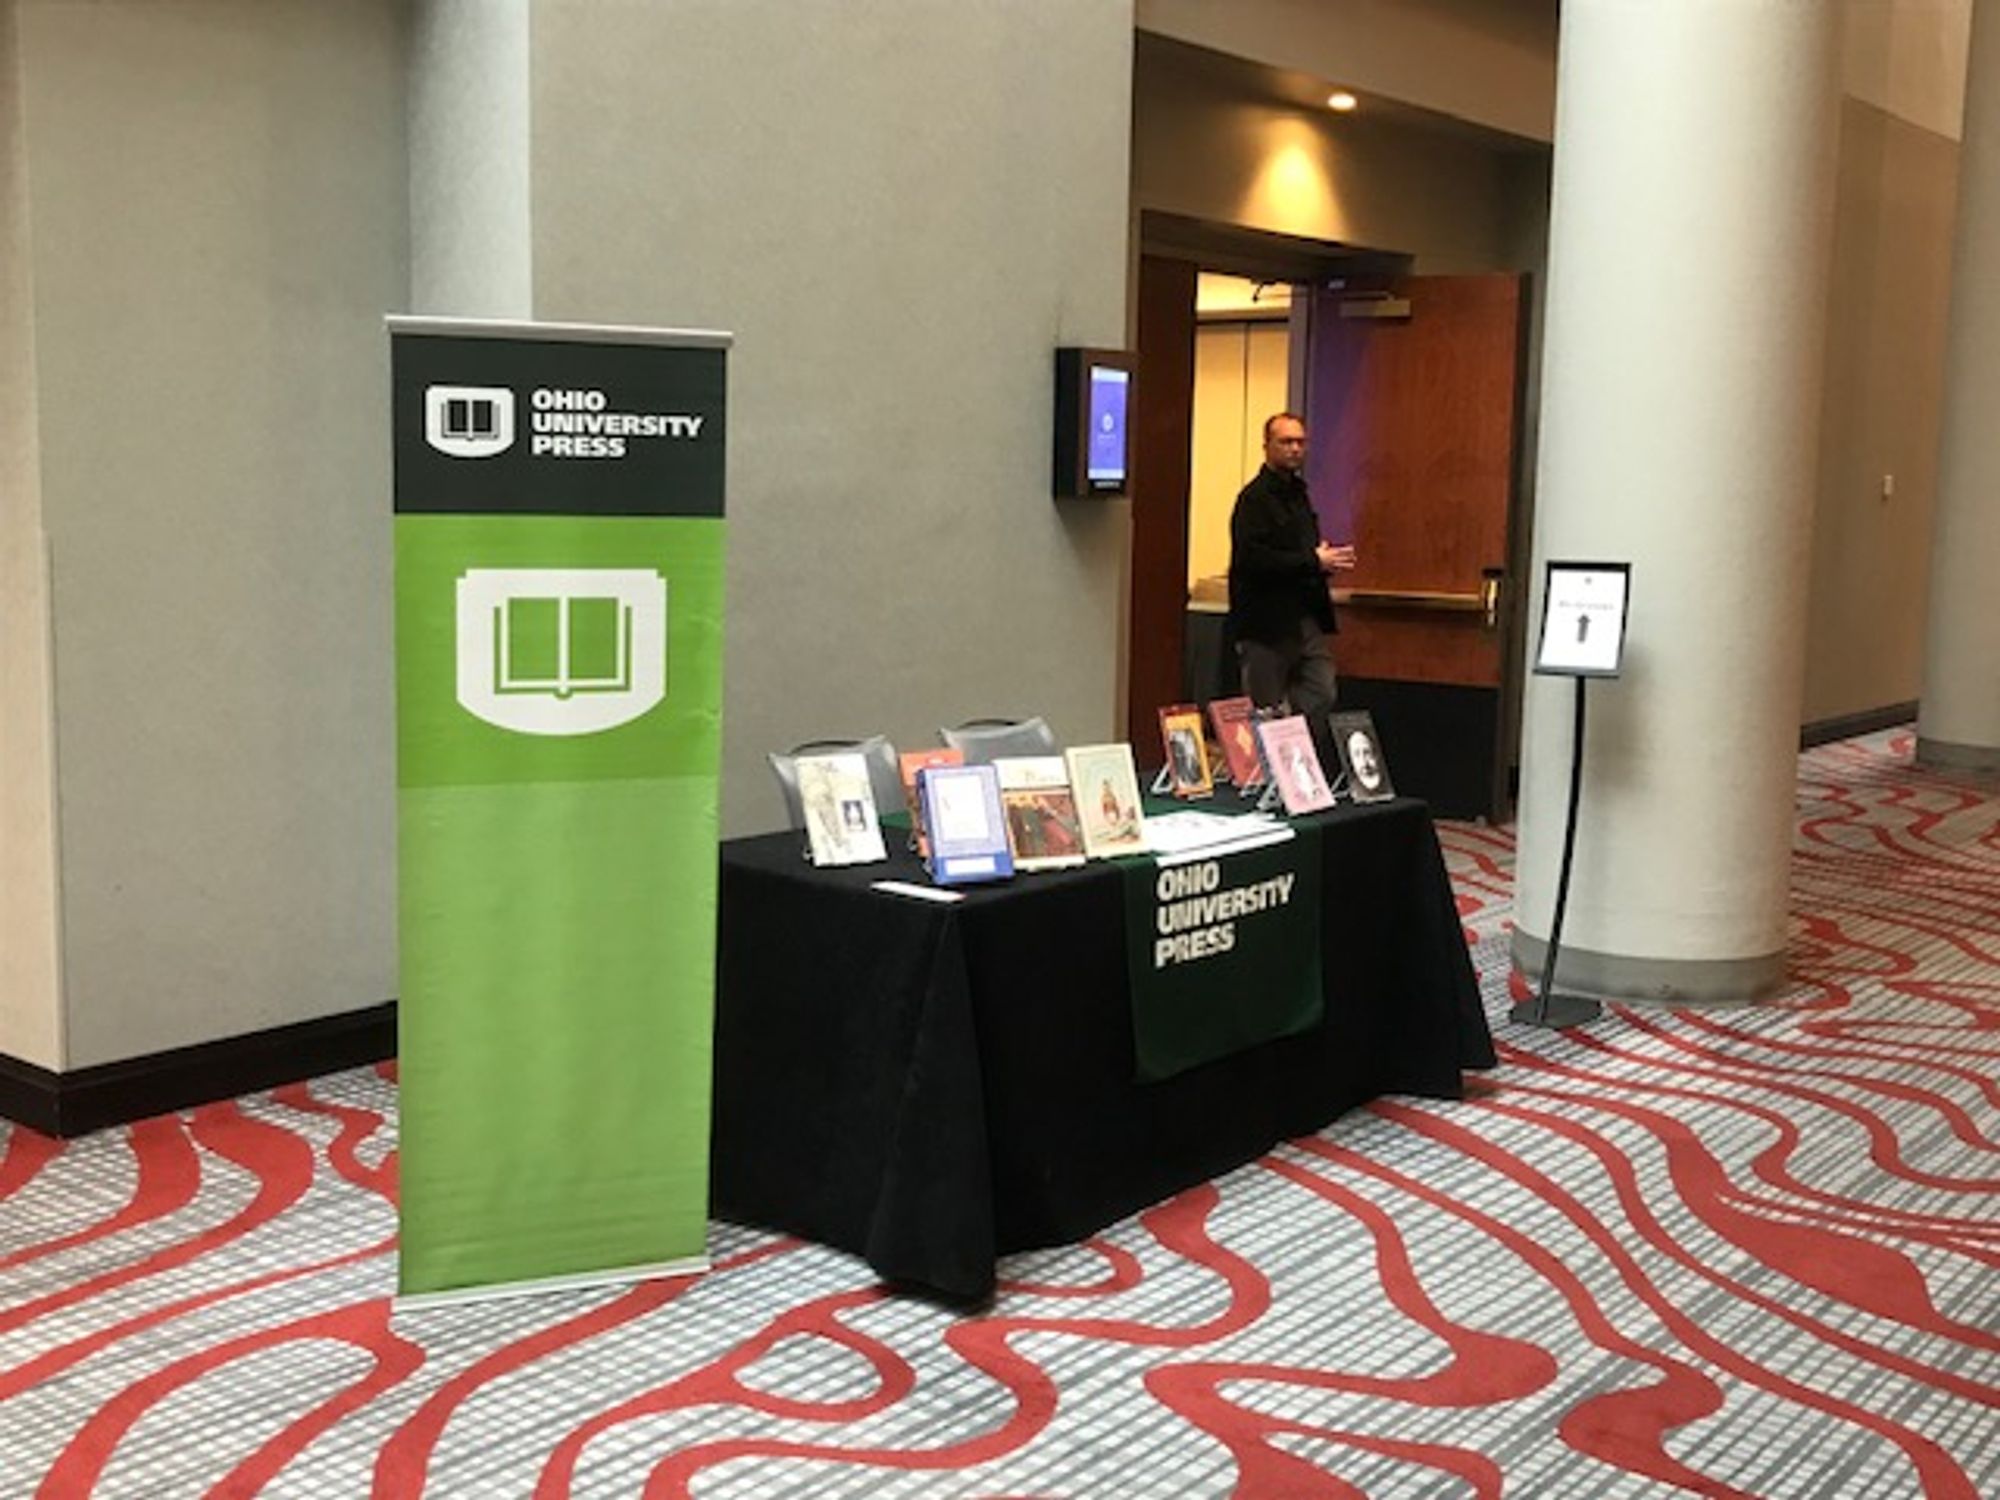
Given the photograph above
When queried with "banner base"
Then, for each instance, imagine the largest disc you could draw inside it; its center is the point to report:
(408, 1302)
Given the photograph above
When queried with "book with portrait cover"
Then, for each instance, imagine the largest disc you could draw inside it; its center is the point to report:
(1288, 751)
(1042, 822)
(1361, 756)
(839, 805)
(1187, 752)
(1106, 787)
(967, 828)
(911, 762)
(1237, 736)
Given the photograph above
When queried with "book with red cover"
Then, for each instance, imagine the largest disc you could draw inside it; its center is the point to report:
(910, 763)
(1237, 735)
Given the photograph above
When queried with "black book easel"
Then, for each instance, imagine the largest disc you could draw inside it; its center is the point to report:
(1578, 596)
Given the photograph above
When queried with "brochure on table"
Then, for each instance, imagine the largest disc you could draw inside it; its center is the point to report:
(1176, 836)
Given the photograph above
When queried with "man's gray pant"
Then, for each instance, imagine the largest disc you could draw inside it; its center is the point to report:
(1296, 670)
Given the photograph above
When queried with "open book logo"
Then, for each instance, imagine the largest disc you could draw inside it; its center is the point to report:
(469, 421)
(561, 650)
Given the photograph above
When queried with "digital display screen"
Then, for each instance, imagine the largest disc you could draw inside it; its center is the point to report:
(1109, 392)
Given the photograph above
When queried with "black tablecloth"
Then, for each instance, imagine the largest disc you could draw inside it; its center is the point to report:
(931, 1085)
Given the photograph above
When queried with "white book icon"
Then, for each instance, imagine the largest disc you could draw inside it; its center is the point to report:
(561, 651)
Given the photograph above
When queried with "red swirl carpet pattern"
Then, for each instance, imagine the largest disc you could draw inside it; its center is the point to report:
(1742, 1251)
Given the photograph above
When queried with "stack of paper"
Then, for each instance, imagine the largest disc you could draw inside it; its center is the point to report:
(1172, 837)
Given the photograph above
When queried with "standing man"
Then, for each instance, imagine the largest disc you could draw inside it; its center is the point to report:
(1280, 611)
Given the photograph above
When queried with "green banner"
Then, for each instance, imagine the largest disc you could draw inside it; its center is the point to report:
(1222, 953)
(559, 616)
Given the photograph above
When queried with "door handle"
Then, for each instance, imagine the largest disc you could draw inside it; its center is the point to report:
(1491, 580)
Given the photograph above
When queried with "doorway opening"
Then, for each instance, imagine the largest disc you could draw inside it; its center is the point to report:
(1242, 375)
(1411, 390)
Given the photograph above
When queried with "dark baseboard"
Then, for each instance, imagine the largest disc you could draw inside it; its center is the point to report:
(1847, 726)
(87, 1099)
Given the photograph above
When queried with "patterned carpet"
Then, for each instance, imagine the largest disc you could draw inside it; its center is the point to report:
(1750, 1251)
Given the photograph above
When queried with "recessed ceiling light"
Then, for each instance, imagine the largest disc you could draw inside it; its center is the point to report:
(1341, 101)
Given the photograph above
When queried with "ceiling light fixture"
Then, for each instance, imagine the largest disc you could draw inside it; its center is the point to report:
(1341, 102)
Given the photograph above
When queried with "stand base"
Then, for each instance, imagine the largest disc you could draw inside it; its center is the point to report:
(1564, 1010)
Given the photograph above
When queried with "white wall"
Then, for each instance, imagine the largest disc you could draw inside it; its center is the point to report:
(30, 979)
(1960, 721)
(1887, 313)
(219, 220)
(1903, 75)
(900, 213)
(470, 240)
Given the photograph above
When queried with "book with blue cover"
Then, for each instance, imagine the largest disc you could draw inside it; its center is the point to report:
(967, 826)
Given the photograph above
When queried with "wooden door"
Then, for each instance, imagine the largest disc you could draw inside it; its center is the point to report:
(1162, 439)
(1413, 405)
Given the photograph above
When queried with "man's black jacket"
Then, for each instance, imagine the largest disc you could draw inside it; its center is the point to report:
(1274, 574)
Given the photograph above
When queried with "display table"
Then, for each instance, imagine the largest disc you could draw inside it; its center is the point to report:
(932, 1085)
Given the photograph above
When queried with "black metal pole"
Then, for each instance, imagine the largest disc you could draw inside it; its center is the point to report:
(1550, 1009)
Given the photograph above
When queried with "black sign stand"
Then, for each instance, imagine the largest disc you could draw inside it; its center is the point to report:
(1548, 1009)
(1583, 594)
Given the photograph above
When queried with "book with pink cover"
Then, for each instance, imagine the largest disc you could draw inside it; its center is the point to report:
(1288, 751)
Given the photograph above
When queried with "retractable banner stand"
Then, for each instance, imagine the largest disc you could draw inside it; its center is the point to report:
(559, 559)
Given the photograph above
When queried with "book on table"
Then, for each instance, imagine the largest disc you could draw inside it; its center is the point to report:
(910, 762)
(1361, 756)
(1288, 751)
(1042, 823)
(967, 827)
(1187, 752)
(1106, 786)
(1237, 736)
(839, 805)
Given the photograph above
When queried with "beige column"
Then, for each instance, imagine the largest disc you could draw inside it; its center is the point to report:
(1958, 724)
(1689, 243)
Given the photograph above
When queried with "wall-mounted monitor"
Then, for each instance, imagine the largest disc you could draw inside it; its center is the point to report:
(1093, 429)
